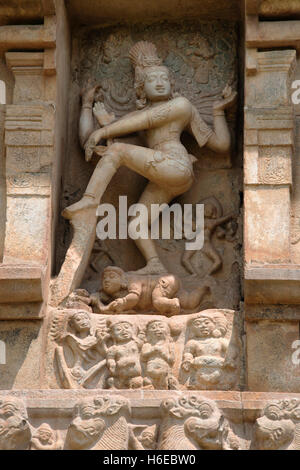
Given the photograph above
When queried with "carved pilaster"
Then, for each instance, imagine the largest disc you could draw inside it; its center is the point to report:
(268, 152)
(29, 143)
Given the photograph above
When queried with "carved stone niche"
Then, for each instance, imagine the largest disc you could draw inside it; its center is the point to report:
(202, 60)
(201, 351)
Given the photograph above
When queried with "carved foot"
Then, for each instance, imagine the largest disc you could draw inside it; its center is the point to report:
(154, 266)
(85, 203)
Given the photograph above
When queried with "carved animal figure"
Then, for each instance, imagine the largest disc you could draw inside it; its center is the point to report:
(279, 426)
(194, 422)
(100, 424)
(15, 431)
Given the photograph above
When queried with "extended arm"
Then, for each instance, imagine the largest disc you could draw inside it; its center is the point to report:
(140, 121)
(124, 303)
(217, 139)
(86, 120)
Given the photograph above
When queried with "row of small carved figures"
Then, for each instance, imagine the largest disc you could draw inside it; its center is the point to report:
(129, 358)
(187, 423)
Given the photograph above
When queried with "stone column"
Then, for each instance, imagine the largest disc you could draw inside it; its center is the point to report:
(271, 285)
(268, 140)
(29, 142)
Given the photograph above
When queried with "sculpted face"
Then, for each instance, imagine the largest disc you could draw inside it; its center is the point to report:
(206, 431)
(157, 84)
(157, 330)
(148, 439)
(273, 435)
(45, 436)
(111, 282)
(81, 321)
(168, 285)
(203, 327)
(122, 331)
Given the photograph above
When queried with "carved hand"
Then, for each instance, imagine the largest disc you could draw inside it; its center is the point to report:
(117, 305)
(229, 97)
(103, 117)
(88, 94)
(91, 144)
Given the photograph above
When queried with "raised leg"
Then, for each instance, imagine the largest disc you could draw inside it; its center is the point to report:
(142, 160)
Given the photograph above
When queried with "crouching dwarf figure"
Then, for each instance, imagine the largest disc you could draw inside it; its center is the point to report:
(125, 292)
(46, 439)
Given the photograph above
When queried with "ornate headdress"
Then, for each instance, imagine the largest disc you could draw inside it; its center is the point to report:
(144, 54)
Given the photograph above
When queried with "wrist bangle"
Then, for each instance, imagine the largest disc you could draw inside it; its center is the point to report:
(87, 106)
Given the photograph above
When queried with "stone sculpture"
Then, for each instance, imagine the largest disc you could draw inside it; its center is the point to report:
(100, 424)
(164, 162)
(278, 428)
(15, 431)
(123, 357)
(80, 351)
(124, 351)
(125, 292)
(158, 356)
(46, 439)
(194, 422)
(205, 354)
(213, 220)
